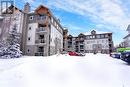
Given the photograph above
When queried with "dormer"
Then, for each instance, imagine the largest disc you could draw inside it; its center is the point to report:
(93, 32)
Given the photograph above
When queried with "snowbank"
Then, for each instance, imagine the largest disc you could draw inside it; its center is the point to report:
(64, 71)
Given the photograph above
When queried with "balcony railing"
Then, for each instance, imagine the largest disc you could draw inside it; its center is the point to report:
(110, 42)
(41, 20)
(40, 42)
(81, 39)
(39, 54)
(40, 30)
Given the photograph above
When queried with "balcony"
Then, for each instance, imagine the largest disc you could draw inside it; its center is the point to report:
(110, 42)
(81, 43)
(81, 39)
(40, 42)
(41, 30)
(39, 54)
(41, 20)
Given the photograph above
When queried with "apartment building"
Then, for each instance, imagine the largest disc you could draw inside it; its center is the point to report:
(126, 39)
(98, 42)
(10, 17)
(94, 42)
(65, 34)
(76, 43)
(44, 33)
(1, 20)
(41, 33)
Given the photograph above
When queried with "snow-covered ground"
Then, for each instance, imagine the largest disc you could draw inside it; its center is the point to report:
(98, 70)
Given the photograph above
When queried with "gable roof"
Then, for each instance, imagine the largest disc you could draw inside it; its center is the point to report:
(10, 10)
(41, 6)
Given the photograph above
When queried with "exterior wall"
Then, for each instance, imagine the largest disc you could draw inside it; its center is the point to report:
(1, 21)
(13, 19)
(31, 33)
(99, 45)
(30, 44)
(70, 43)
(91, 43)
(30, 50)
(127, 41)
(18, 20)
(9, 20)
(56, 43)
(27, 28)
(65, 34)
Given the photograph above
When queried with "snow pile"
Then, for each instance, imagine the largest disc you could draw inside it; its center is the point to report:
(64, 71)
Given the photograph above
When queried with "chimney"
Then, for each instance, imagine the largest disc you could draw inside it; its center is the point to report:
(27, 8)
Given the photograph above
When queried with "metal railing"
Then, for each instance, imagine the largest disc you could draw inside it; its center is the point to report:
(40, 41)
(41, 30)
(39, 54)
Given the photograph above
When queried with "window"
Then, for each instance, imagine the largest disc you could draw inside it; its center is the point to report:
(81, 47)
(31, 17)
(28, 50)
(93, 36)
(28, 38)
(29, 28)
(55, 24)
(98, 36)
(90, 37)
(51, 20)
(106, 35)
(102, 36)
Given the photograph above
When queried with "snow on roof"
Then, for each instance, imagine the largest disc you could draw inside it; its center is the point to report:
(97, 32)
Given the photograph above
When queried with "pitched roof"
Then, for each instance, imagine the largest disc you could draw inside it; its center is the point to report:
(10, 9)
(126, 36)
(41, 7)
(128, 28)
